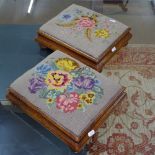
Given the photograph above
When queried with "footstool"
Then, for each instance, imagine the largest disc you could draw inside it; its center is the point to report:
(68, 98)
(84, 34)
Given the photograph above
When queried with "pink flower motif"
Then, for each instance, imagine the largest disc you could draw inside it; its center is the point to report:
(67, 102)
(86, 22)
(120, 144)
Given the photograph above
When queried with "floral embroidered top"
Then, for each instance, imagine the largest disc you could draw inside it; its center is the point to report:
(85, 30)
(63, 84)
(66, 90)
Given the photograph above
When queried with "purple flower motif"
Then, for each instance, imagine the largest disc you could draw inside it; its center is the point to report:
(84, 82)
(36, 84)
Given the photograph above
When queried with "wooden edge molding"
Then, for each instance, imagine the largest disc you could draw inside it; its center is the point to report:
(61, 43)
(75, 144)
(118, 43)
(82, 53)
(115, 100)
(24, 101)
(46, 41)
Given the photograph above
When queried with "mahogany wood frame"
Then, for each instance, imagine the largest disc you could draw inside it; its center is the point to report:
(74, 142)
(46, 41)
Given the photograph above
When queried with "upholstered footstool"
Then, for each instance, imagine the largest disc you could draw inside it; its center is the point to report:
(84, 34)
(68, 98)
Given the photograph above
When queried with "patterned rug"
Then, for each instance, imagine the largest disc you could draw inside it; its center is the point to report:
(130, 129)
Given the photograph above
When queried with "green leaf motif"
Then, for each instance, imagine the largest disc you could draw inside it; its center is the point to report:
(87, 72)
(95, 101)
(97, 89)
(88, 33)
(43, 93)
(70, 24)
(54, 67)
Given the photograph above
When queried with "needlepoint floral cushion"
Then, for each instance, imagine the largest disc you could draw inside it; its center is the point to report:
(83, 29)
(70, 93)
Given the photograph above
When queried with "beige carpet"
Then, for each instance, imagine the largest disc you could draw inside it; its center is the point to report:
(130, 129)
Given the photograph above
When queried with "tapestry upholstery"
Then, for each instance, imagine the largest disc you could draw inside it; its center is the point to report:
(68, 92)
(85, 30)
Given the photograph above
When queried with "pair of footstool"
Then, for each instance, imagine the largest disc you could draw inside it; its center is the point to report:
(63, 92)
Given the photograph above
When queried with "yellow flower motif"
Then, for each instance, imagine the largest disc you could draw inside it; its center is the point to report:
(102, 33)
(88, 98)
(49, 101)
(89, 101)
(58, 79)
(66, 64)
(91, 95)
(83, 97)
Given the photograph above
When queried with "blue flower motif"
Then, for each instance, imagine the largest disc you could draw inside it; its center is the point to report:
(51, 94)
(43, 69)
(66, 17)
(70, 88)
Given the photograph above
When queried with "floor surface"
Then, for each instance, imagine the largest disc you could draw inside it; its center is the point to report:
(18, 53)
(20, 135)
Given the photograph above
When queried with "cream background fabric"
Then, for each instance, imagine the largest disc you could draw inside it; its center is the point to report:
(75, 37)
